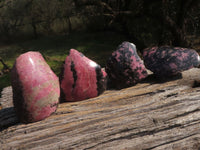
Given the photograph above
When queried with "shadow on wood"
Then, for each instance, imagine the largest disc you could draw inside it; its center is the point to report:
(7, 118)
(149, 115)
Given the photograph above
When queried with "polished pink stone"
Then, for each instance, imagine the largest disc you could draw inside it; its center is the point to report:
(35, 87)
(82, 78)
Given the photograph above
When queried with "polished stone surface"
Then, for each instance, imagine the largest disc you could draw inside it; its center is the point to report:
(36, 88)
(82, 78)
(124, 67)
(168, 61)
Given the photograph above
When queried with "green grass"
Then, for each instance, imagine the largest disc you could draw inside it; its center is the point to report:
(4, 81)
(96, 46)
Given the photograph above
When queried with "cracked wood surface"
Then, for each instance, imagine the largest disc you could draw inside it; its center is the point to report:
(150, 115)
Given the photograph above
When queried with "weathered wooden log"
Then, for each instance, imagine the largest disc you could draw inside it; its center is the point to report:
(150, 115)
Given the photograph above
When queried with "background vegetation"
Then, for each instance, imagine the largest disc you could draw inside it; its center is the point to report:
(94, 27)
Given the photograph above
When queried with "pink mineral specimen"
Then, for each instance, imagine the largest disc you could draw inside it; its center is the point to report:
(35, 87)
(124, 67)
(166, 61)
(82, 78)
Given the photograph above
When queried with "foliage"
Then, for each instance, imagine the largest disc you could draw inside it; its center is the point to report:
(18, 16)
(150, 22)
(144, 22)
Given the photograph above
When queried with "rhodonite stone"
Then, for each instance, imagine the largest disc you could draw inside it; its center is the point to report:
(82, 78)
(167, 61)
(35, 87)
(124, 67)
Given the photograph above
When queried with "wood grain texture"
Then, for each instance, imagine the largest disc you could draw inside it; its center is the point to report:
(151, 115)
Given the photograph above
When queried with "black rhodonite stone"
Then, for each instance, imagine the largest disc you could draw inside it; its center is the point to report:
(124, 67)
(167, 61)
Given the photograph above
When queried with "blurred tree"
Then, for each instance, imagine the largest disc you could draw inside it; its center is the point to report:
(66, 11)
(176, 17)
(11, 17)
(39, 14)
(144, 22)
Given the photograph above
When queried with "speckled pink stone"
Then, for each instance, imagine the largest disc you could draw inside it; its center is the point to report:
(35, 87)
(166, 61)
(124, 67)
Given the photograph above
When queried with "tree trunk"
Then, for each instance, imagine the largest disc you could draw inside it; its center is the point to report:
(177, 24)
(69, 24)
(150, 115)
(33, 24)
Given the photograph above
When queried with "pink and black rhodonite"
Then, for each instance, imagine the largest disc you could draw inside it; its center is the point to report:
(82, 78)
(167, 61)
(124, 67)
(35, 88)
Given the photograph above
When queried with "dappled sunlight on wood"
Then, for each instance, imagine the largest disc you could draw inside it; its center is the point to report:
(151, 114)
